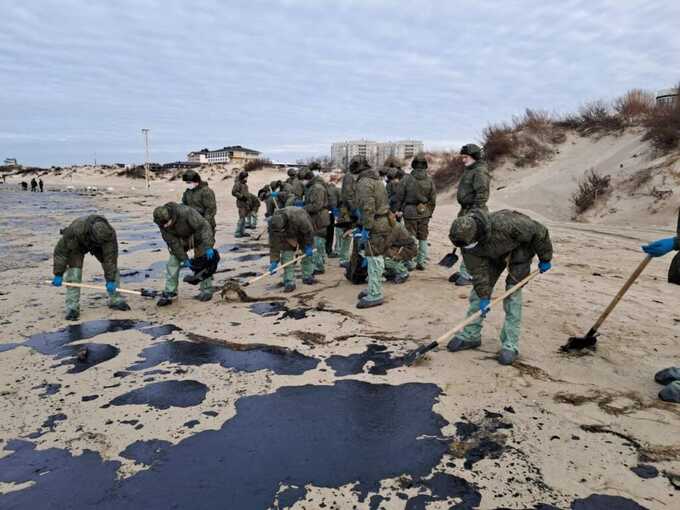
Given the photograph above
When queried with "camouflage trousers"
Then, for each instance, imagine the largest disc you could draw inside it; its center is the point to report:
(172, 277)
(319, 256)
(75, 275)
(512, 305)
(343, 245)
(307, 264)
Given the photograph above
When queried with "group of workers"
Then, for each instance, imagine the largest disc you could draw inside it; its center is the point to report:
(378, 219)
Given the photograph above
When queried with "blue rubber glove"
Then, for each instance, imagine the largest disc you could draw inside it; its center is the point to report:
(484, 306)
(364, 263)
(210, 253)
(186, 263)
(335, 212)
(274, 194)
(111, 287)
(364, 234)
(660, 247)
(56, 281)
(309, 250)
(299, 203)
(544, 266)
(272, 267)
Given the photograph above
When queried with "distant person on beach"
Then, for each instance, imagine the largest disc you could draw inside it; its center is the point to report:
(42, 185)
(24, 185)
(34, 184)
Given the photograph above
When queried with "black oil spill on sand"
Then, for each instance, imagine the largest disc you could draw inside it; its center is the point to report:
(84, 356)
(326, 436)
(268, 309)
(165, 394)
(354, 363)
(241, 357)
(604, 502)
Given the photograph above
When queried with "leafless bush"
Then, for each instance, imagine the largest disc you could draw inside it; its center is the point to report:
(598, 117)
(256, 164)
(449, 171)
(663, 127)
(537, 122)
(568, 121)
(635, 105)
(499, 142)
(591, 187)
(531, 152)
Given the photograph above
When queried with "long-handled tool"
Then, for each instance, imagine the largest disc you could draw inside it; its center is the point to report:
(589, 341)
(416, 354)
(235, 286)
(143, 292)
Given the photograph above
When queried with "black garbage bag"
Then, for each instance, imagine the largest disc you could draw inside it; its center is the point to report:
(674, 270)
(202, 268)
(357, 271)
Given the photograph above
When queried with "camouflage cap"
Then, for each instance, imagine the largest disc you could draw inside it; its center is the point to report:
(102, 232)
(278, 223)
(472, 150)
(358, 164)
(292, 172)
(191, 176)
(464, 230)
(161, 215)
(419, 162)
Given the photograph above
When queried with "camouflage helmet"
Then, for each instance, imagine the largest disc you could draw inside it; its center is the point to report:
(292, 172)
(305, 174)
(242, 175)
(419, 162)
(191, 176)
(472, 150)
(464, 230)
(161, 215)
(358, 164)
(278, 223)
(102, 232)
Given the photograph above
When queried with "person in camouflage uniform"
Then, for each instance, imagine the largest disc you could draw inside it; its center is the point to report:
(401, 247)
(473, 193)
(183, 229)
(87, 234)
(240, 192)
(199, 196)
(416, 200)
(348, 216)
(374, 229)
(253, 208)
(316, 205)
(491, 243)
(296, 187)
(292, 228)
(394, 176)
(334, 208)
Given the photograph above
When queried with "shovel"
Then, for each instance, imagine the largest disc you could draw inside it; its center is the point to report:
(576, 343)
(413, 356)
(234, 286)
(449, 259)
(144, 292)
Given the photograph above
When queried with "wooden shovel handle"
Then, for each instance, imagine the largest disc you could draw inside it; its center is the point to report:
(267, 273)
(95, 287)
(631, 279)
(476, 315)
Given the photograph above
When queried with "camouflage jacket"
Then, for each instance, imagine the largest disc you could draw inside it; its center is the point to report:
(347, 192)
(296, 187)
(417, 195)
(400, 244)
(299, 232)
(371, 200)
(188, 230)
(333, 196)
(203, 200)
(508, 236)
(473, 188)
(77, 240)
(316, 204)
(392, 187)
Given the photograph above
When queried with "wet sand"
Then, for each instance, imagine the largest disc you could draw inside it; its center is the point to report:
(300, 401)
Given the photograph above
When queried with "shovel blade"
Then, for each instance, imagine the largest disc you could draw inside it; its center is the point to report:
(449, 260)
(577, 343)
(413, 356)
(150, 293)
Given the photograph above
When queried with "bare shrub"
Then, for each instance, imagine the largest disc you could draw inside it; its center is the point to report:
(635, 104)
(531, 152)
(256, 164)
(663, 127)
(568, 121)
(537, 122)
(598, 117)
(449, 171)
(590, 188)
(499, 143)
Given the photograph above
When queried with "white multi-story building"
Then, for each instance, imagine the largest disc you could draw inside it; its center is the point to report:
(667, 96)
(235, 154)
(375, 152)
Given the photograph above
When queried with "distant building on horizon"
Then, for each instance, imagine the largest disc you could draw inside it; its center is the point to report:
(375, 152)
(667, 96)
(11, 162)
(233, 154)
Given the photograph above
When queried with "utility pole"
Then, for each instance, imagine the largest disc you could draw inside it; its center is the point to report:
(145, 131)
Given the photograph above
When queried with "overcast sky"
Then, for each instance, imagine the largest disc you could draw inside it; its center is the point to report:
(79, 79)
